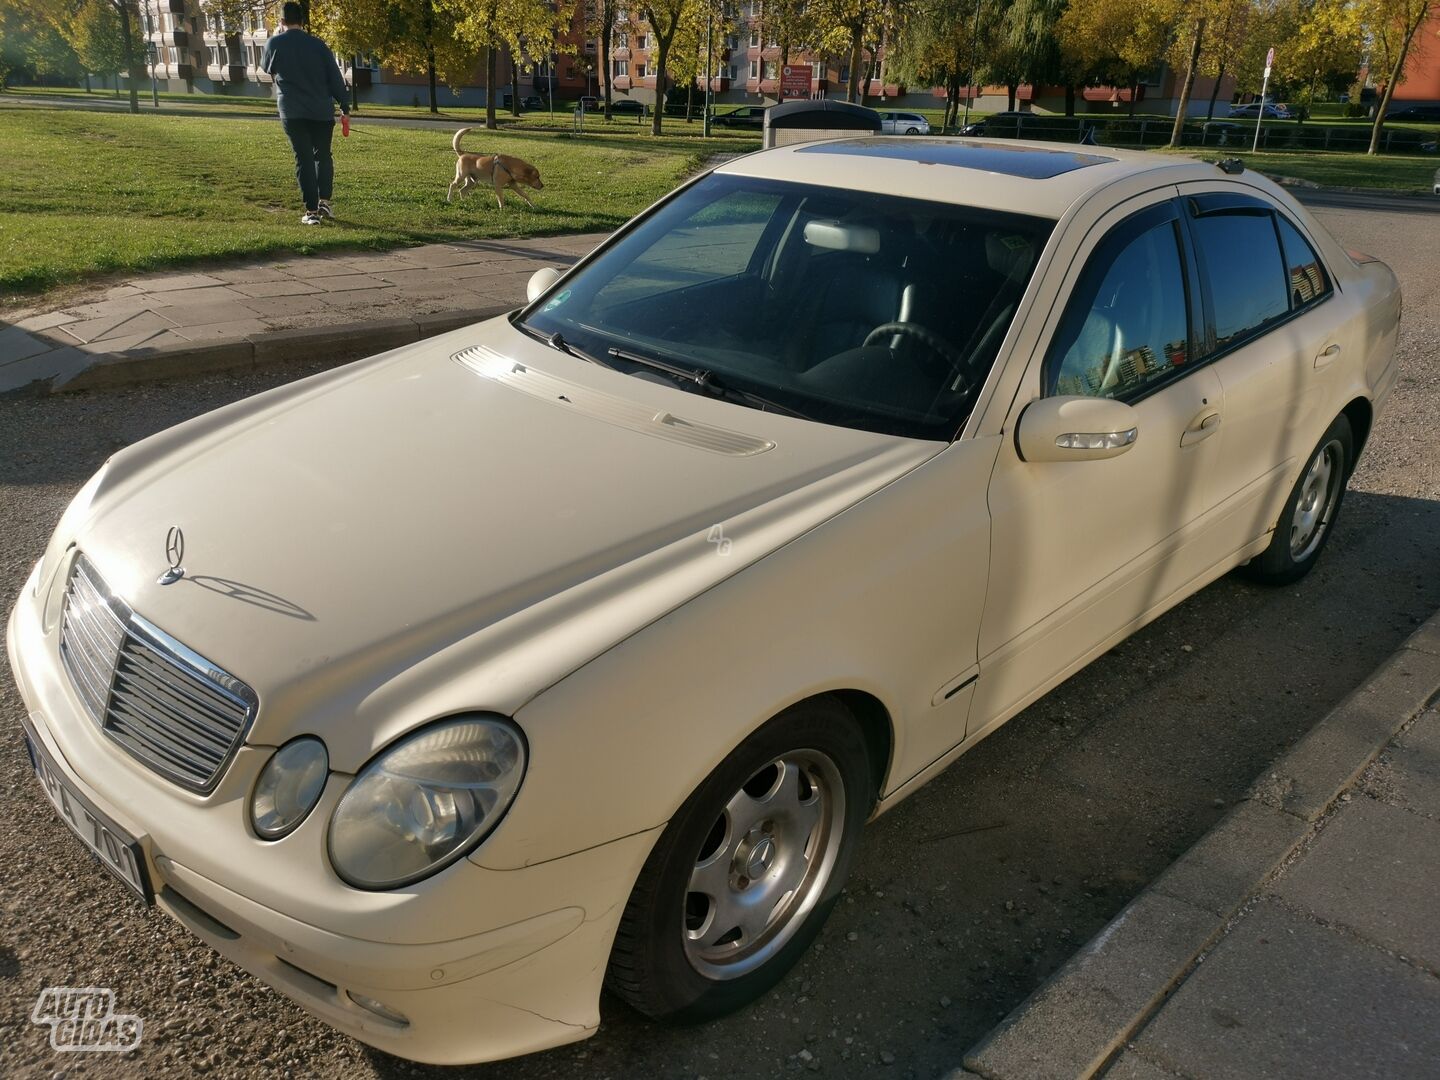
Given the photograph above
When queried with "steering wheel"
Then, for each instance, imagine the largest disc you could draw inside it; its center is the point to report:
(927, 337)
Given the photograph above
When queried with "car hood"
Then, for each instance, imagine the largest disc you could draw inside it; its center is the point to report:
(416, 534)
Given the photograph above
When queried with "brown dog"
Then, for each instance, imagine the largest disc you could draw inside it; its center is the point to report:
(502, 170)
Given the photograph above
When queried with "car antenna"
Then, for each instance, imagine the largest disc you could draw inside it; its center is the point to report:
(1231, 165)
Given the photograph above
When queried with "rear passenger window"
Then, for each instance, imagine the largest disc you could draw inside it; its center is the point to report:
(1305, 275)
(1241, 257)
(1126, 328)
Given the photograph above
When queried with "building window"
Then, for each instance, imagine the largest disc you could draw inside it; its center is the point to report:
(621, 69)
(770, 70)
(622, 40)
(640, 71)
(642, 41)
(754, 69)
(754, 39)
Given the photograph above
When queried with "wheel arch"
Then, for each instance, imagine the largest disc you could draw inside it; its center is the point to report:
(1361, 415)
(878, 728)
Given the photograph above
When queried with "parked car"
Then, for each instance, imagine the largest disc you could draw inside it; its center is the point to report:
(1252, 110)
(575, 647)
(628, 107)
(1011, 118)
(532, 102)
(1414, 112)
(904, 123)
(746, 116)
(588, 103)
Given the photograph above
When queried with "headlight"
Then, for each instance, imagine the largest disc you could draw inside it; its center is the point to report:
(426, 801)
(288, 788)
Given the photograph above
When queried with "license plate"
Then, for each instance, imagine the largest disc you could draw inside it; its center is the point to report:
(113, 846)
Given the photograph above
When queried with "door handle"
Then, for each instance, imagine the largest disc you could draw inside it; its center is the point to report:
(1202, 428)
(1327, 356)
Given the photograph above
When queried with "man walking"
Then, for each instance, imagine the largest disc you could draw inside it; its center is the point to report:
(306, 81)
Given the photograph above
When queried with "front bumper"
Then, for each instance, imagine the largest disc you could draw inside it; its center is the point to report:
(481, 964)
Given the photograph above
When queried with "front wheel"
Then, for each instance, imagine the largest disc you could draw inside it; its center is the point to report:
(1310, 511)
(746, 873)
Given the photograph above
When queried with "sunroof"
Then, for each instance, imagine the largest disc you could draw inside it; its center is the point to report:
(1028, 162)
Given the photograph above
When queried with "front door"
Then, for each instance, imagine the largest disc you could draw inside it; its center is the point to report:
(1082, 550)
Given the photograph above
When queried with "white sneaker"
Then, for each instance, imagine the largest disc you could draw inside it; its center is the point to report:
(311, 217)
(325, 211)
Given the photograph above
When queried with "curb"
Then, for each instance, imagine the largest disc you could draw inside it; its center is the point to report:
(1073, 1024)
(336, 344)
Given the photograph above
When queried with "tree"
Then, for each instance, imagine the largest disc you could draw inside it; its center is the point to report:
(525, 28)
(664, 18)
(1392, 25)
(1197, 41)
(413, 36)
(1329, 40)
(94, 33)
(600, 23)
(789, 25)
(1123, 39)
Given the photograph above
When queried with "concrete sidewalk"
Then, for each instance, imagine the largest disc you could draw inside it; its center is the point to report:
(239, 314)
(1299, 938)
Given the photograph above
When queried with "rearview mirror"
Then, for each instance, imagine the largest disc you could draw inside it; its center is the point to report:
(1076, 428)
(541, 280)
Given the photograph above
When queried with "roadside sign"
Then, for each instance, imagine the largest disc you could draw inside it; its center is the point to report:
(1269, 61)
(795, 80)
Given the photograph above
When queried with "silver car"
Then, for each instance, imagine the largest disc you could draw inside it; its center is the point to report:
(904, 123)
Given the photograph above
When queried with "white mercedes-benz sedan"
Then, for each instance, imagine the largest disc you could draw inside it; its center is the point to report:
(576, 647)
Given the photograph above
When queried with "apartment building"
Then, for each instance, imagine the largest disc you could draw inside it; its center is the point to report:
(193, 49)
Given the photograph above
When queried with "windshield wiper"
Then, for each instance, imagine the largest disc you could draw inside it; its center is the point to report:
(706, 381)
(557, 342)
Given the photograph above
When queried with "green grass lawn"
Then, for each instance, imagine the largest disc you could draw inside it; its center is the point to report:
(89, 192)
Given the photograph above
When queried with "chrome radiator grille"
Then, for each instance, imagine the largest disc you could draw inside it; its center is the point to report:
(162, 703)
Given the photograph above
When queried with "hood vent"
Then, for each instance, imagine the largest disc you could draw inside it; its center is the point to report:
(612, 410)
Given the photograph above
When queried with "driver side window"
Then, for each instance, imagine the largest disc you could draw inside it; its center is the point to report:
(1127, 328)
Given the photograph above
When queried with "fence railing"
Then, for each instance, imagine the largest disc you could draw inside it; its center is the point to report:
(1239, 133)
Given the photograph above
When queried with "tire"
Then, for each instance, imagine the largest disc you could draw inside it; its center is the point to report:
(787, 806)
(1309, 516)
(912, 131)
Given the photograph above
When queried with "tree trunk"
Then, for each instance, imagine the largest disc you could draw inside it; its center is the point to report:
(129, 56)
(490, 87)
(430, 72)
(1177, 133)
(87, 82)
(662, 54)
(1395, 74)
(1070, 99)
(856, 34)
(1011, 89)
(690, 102)
(780, 87)
(1215, 92)
(607, 39)
(1134, 93)
(354, 83)
(514, 82)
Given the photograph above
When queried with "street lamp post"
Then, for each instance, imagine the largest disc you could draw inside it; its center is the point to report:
(709, 63)
(152, 54)
(970, 75)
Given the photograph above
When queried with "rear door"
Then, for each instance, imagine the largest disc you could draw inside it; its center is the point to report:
(1274, 329)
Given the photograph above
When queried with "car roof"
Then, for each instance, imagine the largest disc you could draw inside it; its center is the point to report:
(965, 171)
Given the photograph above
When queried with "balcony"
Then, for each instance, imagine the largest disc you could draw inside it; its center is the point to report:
(226, 73)
(179, 38)
(175, 7)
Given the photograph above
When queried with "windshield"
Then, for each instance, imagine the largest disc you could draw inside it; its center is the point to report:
(846, 307)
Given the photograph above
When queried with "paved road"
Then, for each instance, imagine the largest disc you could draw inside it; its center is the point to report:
(964, 899)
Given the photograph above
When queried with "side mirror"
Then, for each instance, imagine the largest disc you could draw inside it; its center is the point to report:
(541, 280)
(1076, 429)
